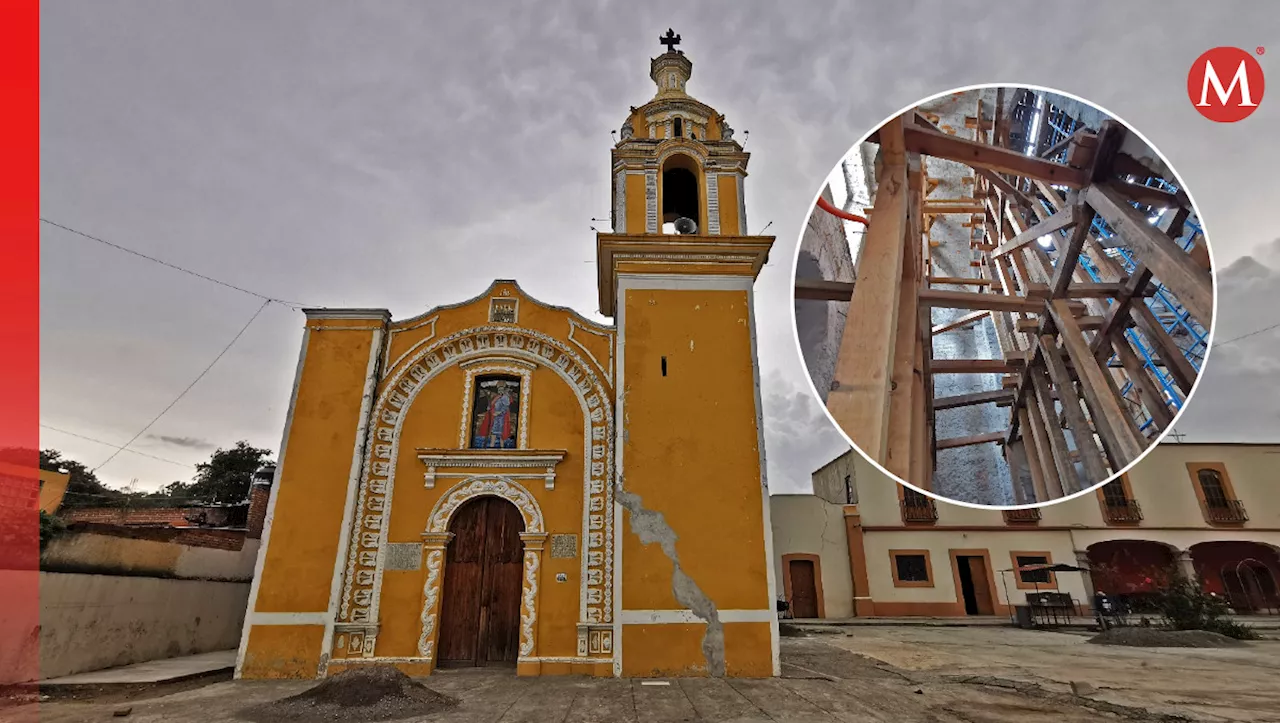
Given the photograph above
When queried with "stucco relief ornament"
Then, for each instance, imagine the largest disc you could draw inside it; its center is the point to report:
(431, 591)
(475, 488)
(726, 131)
(626, 131)
(530, 605)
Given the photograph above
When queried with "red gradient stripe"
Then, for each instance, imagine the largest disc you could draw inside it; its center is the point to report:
(19, 344)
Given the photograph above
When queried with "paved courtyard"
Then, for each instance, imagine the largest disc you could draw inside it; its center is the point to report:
(907, 674)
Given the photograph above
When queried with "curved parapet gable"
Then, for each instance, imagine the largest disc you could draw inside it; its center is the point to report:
(503, 303)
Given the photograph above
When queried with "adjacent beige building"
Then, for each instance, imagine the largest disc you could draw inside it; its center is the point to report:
(879, 549)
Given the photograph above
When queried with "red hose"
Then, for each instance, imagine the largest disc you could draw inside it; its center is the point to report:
(822, 204)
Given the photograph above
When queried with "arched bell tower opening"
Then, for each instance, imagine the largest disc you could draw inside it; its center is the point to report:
(681, 197)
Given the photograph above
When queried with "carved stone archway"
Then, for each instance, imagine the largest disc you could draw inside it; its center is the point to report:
(436, 538)
(360, 600)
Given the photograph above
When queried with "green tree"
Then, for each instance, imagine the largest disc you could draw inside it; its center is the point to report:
(50, 527)
(226, 477)
(84, 489)
(1185, 605)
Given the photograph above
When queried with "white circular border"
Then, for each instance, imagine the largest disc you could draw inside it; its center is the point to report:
(1213, 271)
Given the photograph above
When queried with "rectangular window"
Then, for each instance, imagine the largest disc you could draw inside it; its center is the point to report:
(1217, 498)
(1114, 494)
(911, 568)
(1034, 577)
(1215, 492)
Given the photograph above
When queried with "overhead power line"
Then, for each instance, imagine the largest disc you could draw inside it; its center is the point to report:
(1246, 336)
(177, 399)
(291, 304)
(114, 446)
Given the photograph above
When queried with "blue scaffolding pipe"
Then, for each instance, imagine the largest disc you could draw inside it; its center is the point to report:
(1160, 299)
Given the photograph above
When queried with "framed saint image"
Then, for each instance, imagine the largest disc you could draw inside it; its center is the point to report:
(495, 416)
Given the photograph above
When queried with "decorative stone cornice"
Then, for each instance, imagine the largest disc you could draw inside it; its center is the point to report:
(539, 463)
(666, 254)
(382, 315)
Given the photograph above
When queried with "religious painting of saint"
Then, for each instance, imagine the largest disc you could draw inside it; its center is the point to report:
(495, 418)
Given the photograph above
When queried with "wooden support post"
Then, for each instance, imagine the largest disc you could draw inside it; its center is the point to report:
(1148, 392)
(929, 142)
(1060, 221)
(1069, 255)
(1104, 407)
(1036, 447)
(859, 398)
(965, 400)
(1059, 453)
(1114, 376)
(1118, 316)
(823, 290)
(898, 447)
(1095, 469)
(959, 322)
(1144, 194)
(971, 440)
(973, 366)
(1192, 284)
(972, 300)
(955, 281)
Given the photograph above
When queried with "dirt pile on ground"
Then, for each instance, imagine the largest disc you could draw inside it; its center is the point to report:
(375, 693)
(1157, 638)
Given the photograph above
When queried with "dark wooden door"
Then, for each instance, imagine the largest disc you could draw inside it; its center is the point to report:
(480, 608)
(804, 589)
(981, 585)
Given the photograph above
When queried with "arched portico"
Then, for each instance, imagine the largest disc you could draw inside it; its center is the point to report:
(1242, 571)
(1130, 566)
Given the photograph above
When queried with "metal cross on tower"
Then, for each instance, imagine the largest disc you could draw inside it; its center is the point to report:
(671, 40)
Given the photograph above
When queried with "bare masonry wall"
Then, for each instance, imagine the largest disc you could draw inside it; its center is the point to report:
(90, 622)
(824, 254)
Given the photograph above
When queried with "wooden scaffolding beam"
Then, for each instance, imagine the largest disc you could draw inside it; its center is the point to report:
(1067, 317)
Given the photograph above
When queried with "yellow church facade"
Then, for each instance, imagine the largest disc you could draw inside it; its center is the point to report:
(502, 482)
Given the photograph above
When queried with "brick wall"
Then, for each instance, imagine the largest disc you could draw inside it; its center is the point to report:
(259, 495)
(218, 538)
(228, 516)
(173, 516)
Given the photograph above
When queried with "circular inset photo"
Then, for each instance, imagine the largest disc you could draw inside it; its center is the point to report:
(1004, 296)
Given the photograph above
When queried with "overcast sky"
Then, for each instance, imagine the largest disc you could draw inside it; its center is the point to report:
(403, 155)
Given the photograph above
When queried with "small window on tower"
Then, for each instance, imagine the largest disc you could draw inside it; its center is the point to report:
(679, 126)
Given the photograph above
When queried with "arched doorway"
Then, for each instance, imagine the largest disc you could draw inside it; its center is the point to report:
(480, 605)
(1131, 569)
(1244, 572)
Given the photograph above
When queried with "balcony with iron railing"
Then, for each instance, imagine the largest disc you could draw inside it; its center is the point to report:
(919, 509)
(1122, 511)
(1225, 511)
(1026, 516)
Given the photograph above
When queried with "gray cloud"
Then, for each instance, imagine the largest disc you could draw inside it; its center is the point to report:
(1238, 398)
(187, 442)
(396, 155)
(798, 436)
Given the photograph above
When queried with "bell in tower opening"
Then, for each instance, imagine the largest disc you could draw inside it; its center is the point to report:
(680, 193)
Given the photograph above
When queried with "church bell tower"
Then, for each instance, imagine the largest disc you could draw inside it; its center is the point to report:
(695, 584)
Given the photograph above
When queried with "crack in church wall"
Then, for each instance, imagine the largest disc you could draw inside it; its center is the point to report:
(651, 526)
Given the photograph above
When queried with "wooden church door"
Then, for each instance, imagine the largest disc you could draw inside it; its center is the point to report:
(804, 589)
(480, 608)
